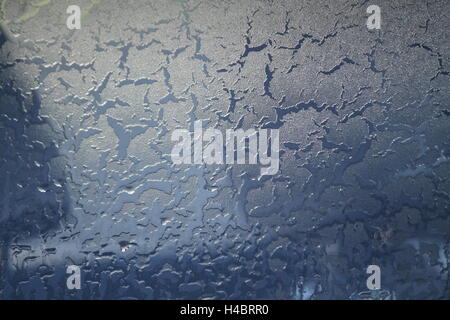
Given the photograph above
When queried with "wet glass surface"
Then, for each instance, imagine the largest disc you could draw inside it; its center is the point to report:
(86, 177)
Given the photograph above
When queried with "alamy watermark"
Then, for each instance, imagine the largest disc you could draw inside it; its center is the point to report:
(374, 20)
(208, 146)
(74, 19)
(374, 280)
(74, 279)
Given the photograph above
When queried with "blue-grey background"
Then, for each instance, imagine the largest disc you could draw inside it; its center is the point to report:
(86, 176)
